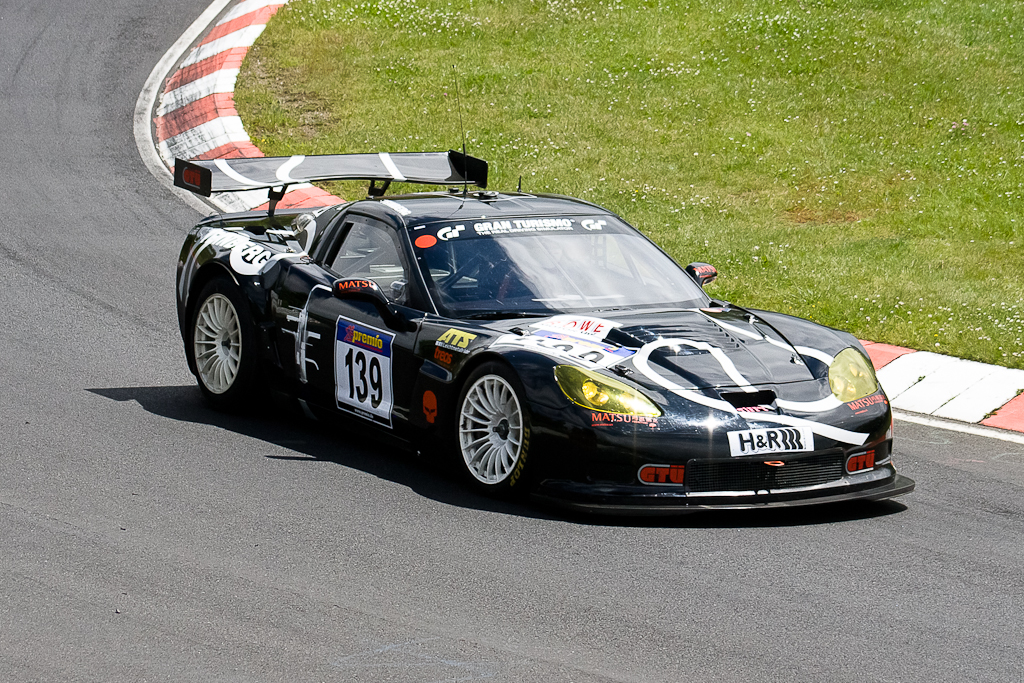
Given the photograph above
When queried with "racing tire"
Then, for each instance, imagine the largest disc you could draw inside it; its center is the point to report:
(492, 431)
(222, 345)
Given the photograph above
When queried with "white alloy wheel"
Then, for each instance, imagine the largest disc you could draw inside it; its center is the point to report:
(217, 343)
(491, 429)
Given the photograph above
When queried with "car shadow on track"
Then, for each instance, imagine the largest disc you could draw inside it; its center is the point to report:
(388, 458)
(809, 515)
(362, 448)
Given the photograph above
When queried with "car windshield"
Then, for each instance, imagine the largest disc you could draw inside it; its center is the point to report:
(564, 264)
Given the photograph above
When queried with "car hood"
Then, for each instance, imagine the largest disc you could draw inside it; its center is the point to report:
(693, 348)
(768, 365)
(718, 348)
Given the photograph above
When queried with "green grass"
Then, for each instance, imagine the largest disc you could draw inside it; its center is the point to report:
(858, 163)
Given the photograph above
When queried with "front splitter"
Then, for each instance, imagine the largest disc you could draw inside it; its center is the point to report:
(897, 486)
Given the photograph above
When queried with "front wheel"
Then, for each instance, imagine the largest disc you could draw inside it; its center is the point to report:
(222, 345)
(494, 429)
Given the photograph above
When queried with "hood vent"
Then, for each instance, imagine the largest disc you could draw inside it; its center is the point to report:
(645, 334)
(749, 399)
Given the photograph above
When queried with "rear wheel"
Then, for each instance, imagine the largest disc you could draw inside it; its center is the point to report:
(222, 345)
(493, 430)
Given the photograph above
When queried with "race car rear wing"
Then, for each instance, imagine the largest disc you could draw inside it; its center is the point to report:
(232, 175)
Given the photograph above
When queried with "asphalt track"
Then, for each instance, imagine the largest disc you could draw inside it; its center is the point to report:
(146, 538)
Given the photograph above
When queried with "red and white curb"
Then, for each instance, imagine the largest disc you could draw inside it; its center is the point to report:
(948, 387)
(193, 116)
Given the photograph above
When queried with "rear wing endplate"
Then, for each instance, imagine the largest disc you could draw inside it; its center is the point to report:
(233, 175)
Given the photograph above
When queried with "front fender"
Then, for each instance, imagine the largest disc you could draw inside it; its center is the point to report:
(814, 342)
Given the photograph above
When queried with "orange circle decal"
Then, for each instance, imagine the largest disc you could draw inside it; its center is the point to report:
(425, 241)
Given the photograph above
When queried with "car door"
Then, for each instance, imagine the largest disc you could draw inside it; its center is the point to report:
(365, 367)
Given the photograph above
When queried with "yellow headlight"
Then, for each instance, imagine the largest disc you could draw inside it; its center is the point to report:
(851, 376)
(594, 391)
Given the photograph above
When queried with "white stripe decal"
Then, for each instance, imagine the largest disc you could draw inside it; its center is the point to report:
(640, 362)
(732, 328)
(235, 175)
(828, 431)
(780, 344)
(802, 350)
(397, 207)
(396, 175)
(186, 273)
(815, 353)
(284, 173)
(723, 360)
(830, 402)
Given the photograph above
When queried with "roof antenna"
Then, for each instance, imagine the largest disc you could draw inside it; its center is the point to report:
(458, 103)
(519, 187)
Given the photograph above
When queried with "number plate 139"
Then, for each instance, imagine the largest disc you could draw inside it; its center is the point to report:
(362, 371)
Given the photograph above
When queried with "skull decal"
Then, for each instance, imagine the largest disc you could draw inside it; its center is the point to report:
(429, 406)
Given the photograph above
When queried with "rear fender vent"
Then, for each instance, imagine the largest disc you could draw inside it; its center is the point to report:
(748, 399)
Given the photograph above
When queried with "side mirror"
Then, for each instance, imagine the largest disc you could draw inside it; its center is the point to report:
(398, 288)
(702, 273)
(358, 289)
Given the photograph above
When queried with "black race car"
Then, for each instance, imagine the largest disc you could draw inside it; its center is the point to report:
(541, 339)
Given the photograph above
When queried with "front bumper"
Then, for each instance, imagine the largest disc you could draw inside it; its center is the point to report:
(882, 483)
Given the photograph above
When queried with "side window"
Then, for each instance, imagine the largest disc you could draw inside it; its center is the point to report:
(368, 251)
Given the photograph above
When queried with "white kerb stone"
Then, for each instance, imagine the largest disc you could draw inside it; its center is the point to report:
(987, 395)
(906, 371)
(942, 385)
